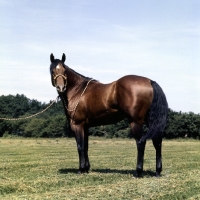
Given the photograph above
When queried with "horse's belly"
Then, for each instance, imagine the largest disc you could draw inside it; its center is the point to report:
(106, 118)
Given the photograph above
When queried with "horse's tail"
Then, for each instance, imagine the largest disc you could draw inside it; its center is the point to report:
(157, 117)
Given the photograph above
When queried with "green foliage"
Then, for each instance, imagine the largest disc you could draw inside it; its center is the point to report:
(182, 125)
(6, 134)
(53, 122)
(120, 129)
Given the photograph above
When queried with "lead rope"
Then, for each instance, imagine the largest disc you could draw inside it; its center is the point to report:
(23, 118)
(74, 109)
(79, 98)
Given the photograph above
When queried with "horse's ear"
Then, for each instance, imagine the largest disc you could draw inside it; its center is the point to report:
(52, 57)
(63, 58)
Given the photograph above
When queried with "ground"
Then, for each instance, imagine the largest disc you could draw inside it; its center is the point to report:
(47, 169)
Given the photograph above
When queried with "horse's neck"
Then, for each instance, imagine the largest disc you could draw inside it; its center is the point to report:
(73, 83)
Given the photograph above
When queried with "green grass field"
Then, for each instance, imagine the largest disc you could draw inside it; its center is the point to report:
(46, 169)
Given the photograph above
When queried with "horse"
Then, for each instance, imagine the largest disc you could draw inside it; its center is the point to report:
(88, 103)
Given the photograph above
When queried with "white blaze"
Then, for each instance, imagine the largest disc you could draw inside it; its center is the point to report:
(58, 67)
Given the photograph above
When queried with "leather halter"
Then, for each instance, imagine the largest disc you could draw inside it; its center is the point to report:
(59, 75)
(55, 77)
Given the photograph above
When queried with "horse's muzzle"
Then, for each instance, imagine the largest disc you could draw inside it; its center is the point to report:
(61, 88)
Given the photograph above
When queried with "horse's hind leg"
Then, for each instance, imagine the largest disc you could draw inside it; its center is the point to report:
(158, 146)
(137, 133)
(140, 157)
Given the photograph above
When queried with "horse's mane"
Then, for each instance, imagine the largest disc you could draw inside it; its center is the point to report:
(82, 76)
(83, 80)
(57, 61)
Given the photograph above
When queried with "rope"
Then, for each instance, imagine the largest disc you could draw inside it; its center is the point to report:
(23, 118)
(28, 117)
(79, 98)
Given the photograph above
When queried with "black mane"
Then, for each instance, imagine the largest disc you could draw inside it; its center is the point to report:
(82, 76)
(57, 61)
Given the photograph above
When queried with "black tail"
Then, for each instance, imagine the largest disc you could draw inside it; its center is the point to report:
(157, 118)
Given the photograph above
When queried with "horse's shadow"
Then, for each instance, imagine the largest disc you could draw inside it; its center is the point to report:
(146, 173)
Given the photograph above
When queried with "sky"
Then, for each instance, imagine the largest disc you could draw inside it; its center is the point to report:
(104, 40)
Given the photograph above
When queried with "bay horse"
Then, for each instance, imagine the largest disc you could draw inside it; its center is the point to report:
(88, 103)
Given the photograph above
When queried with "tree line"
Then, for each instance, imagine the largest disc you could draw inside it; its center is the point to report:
(53, 123)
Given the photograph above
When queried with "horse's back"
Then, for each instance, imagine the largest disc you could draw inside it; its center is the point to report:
(101, 97)
(134, 79)
(129, 96)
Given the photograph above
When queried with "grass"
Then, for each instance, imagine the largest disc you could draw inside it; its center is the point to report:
(46, 169)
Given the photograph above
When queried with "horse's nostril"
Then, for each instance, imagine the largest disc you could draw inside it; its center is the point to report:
(60, 88)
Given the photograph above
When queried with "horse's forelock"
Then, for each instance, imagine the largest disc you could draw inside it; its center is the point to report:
(55, 63)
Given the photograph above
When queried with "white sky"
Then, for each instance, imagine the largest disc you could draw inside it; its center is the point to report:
(105, 40)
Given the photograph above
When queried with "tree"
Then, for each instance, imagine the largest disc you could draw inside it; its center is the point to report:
(53, 123)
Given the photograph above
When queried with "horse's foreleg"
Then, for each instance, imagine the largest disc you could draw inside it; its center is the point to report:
(81, 157)
(87, 162)
(82, 147)
(158, 146)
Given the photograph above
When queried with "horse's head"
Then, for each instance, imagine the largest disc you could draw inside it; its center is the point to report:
(58, 73)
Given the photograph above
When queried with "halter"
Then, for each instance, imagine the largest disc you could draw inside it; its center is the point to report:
(59, 75)
(55, 77)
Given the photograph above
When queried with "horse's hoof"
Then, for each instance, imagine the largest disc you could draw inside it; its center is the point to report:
(79, 172)
(87, 170)
(82, 171)
(157, 175)
(137, 175)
